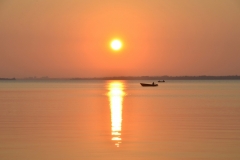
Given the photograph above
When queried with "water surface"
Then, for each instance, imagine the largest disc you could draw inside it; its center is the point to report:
(58, 120)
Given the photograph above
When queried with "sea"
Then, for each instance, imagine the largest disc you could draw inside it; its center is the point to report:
(119, 120)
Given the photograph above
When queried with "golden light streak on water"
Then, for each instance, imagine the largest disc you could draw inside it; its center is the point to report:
(116, 94)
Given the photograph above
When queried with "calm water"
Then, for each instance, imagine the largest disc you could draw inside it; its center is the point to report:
(105, 120)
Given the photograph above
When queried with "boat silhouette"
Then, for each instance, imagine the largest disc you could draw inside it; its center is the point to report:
(149, 84)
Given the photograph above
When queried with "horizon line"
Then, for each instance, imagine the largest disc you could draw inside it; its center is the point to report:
(128, 77)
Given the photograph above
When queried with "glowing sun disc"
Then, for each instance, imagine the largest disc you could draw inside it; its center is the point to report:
(116, 44)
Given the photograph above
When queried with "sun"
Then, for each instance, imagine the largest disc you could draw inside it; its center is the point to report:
(116, 44)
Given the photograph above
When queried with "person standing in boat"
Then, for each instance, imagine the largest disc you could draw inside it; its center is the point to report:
(153, 83)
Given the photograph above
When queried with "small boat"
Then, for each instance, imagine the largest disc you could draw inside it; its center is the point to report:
(161, 81)
(149, 84)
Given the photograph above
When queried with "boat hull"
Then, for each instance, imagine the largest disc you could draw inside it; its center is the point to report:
(148, 85)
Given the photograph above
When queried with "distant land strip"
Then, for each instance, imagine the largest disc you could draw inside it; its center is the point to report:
(233, 77)
(7, 78)
(163, 78)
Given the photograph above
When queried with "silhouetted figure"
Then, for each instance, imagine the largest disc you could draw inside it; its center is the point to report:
(153, 83)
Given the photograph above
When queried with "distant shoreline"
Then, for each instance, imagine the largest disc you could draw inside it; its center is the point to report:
(136, 78)
(164, 78)
(7, 79)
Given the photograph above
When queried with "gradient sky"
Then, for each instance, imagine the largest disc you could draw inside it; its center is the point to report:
(70, 38)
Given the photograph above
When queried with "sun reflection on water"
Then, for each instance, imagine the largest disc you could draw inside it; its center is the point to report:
(115, 95)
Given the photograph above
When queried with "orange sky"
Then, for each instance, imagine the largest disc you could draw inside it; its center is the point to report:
(160, 37)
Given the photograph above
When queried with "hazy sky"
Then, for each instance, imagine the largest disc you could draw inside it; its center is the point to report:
(70, 38)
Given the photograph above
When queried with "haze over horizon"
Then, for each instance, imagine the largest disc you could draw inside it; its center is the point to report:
(159, 37)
